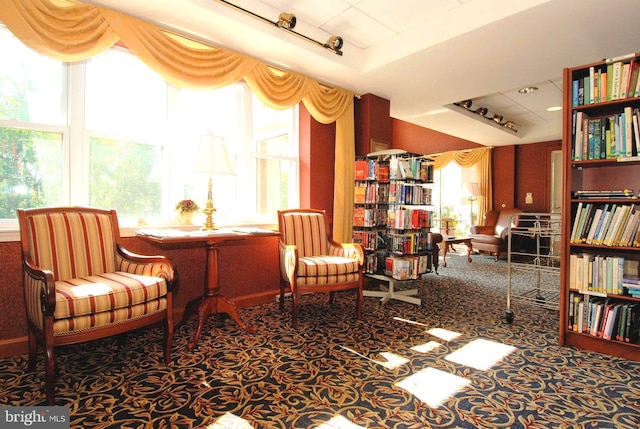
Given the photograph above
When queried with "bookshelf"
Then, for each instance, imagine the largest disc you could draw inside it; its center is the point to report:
(392, 219)
(600, 309)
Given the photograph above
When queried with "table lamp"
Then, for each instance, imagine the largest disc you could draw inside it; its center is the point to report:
(212, 158)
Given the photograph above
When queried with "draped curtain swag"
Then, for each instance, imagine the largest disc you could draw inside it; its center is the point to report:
(70, 31)
(468, 158)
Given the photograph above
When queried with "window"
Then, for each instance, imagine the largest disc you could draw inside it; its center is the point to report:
(109, 132)
(453, 198)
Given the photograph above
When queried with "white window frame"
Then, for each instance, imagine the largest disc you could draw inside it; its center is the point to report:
(75, 150)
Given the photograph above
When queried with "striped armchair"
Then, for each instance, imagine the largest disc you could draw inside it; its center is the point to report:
(310, 261)
(80, 284)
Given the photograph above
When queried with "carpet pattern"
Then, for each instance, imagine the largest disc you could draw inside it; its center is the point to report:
(453, 362)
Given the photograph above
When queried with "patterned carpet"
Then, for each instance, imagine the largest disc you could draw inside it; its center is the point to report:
(452, 362)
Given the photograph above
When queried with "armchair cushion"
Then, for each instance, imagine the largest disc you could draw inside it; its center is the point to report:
(314, 266)
(106, 292)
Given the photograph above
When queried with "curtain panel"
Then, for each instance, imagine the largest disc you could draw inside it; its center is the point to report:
(70, 31)
(468, 158)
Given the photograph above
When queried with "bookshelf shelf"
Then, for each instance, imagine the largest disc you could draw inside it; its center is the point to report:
(392, 220)
(599, 309)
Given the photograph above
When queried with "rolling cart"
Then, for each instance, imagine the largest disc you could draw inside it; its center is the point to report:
(533, 260)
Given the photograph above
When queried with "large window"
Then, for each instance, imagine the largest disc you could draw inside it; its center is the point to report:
(456, 207)
(109, 132)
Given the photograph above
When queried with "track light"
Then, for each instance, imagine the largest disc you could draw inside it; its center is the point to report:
(334, 43)
(483, 112)
(287, 21)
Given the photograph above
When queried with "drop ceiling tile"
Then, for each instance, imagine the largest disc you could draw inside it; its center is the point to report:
(409, 15)
(357, 28)
(311, 12)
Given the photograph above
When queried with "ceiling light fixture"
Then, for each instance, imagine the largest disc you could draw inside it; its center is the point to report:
(528, 89)
(483, 112)
(287, 21)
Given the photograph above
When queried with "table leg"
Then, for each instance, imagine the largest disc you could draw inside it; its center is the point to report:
(444, 253)
(212, 302)
(469, 250)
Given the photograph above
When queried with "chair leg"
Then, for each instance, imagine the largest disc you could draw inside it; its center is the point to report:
(281, 296)
(332, 296)
(359, 300)
(50, 374)
(33, 349)
(294, 310)
(168, 333)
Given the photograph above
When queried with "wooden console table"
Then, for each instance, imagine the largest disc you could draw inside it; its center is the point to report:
(212, 301)
(448, 241)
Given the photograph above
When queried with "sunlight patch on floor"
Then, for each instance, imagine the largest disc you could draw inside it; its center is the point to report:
(432, 386)
(480, 354)
(392, 360)
(444, 334)
(230, 421)
(339, 422)
(426, 347)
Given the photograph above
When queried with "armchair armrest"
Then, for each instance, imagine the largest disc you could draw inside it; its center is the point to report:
(482, 229)
(155, 266)
(348, 250)
(288, 261)
(40, 292)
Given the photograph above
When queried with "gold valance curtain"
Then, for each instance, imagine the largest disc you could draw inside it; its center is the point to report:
(468, 158)
(70, 31)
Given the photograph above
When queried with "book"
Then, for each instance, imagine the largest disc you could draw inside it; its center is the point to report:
(633, 80)
(594, 225)
(616, 80)
(576, 222)
(632, 324)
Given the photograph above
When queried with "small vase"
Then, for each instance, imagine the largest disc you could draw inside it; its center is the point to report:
(186, 218)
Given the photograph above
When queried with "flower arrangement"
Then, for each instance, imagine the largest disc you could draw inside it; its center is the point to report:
(187, 206)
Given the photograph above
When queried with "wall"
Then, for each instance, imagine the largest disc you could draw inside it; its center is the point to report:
(416, 139)
(317, 155)
(372, 121)
(503, 176)
(533, 174)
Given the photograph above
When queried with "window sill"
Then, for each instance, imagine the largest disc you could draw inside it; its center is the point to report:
(9, 234)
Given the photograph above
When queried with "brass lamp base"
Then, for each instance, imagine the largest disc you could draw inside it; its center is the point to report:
(209, 210)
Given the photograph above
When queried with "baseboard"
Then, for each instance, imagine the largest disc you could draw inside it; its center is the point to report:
(13, 347)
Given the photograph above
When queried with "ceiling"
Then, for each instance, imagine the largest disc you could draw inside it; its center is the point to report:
(424, 55)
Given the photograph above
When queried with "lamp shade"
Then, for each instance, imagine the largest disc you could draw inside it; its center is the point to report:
(474, 189)
(212, 156)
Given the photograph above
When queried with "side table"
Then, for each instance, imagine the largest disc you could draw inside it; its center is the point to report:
(448, 241)
(212, 301)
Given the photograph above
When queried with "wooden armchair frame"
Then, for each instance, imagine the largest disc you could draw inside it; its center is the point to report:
(338, 255)
(41, 281)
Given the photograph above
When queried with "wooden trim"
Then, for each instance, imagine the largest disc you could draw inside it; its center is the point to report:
(13, 347)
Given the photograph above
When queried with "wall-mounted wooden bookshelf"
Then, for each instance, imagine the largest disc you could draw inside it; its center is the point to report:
(599, 300)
